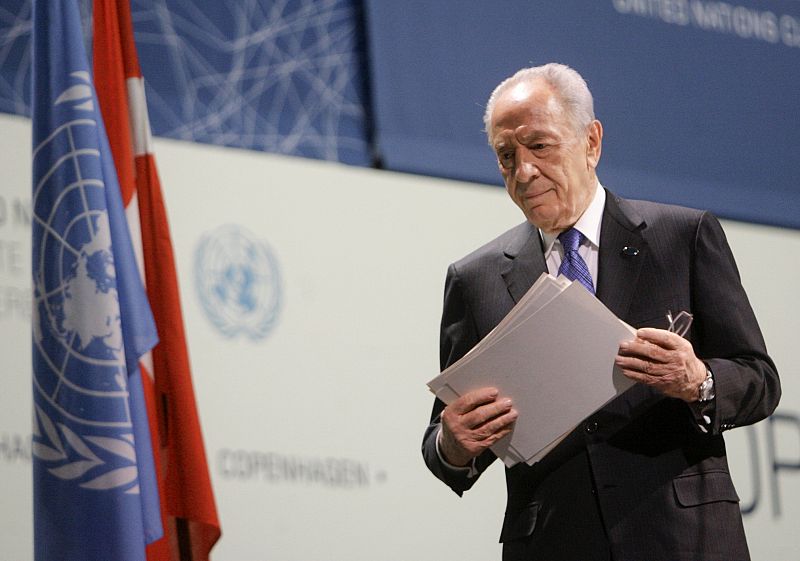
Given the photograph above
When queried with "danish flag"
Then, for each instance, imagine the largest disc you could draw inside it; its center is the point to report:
(189, 514)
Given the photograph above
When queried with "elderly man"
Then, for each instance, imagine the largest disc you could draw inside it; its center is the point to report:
(646, 477)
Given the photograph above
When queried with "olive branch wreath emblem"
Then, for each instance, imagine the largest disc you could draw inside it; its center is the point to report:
(72, 458)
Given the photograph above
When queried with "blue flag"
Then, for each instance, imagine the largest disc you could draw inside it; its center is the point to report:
(95, 493)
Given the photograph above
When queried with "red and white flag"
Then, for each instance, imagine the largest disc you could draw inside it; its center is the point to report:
(191, 525)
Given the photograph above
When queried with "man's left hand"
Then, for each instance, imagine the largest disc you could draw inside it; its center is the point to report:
(663, 360)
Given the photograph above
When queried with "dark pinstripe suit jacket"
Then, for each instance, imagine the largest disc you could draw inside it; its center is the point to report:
(638, 481)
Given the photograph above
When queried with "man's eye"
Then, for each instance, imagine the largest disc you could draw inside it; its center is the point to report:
(538, 146)
(506, 160)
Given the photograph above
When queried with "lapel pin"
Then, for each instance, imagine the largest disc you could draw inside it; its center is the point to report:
(629, 251)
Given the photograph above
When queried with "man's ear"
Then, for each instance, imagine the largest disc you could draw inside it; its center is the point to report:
(594, 144)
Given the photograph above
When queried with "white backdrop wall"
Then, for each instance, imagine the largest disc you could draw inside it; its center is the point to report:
(313, 429)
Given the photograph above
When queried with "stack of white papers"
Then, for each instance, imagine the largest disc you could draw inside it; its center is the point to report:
(553, 355)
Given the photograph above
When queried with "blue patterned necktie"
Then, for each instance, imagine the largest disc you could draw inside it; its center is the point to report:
(573, 266)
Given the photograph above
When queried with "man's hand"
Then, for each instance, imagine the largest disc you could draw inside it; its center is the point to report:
(473, 423)
(663, 360)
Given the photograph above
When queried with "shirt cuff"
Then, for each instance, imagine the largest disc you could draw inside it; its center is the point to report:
(470, 470)
(702, 412)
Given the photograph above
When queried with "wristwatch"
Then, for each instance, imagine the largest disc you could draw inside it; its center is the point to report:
(706, 392)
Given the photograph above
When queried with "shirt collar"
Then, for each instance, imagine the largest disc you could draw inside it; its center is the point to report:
(588, 224)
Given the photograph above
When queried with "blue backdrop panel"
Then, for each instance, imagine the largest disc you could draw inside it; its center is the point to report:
(699, 99)
(284, 76)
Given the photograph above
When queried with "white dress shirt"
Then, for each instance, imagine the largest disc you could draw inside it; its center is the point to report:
(589, 225)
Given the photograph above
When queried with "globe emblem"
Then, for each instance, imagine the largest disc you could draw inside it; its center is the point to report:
(76, 323)
(238, 282)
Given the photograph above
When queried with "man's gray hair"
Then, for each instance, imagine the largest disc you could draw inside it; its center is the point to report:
(570, 87)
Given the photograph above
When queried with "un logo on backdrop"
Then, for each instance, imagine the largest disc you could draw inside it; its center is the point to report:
(238, 282)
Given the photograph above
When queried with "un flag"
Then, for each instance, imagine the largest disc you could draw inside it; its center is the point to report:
(95, 495)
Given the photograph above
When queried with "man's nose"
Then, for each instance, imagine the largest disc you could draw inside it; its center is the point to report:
(526, 171)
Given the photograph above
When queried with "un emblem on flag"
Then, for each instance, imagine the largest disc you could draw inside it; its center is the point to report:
(238, 282)
(83, 425)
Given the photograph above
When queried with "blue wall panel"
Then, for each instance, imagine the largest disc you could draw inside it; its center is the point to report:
(284, 76)
(699, 99)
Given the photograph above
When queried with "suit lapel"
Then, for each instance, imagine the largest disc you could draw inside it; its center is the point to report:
(524, 261)
(619, 269)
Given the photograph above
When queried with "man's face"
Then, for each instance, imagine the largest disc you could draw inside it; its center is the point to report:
(548, 168)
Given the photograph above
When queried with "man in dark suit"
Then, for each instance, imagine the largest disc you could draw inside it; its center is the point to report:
(646, 477)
